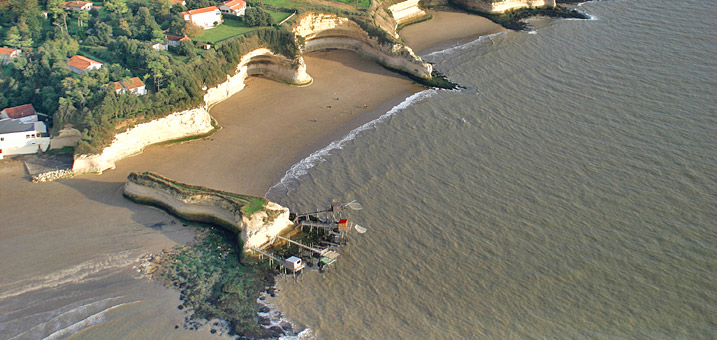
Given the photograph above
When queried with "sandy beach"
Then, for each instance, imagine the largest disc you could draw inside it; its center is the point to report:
(67, 231)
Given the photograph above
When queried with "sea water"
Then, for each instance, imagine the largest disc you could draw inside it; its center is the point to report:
(569, 192)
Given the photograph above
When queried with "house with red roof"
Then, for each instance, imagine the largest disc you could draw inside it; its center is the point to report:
(177, 2)
(7, 54)
(134, 85)
(78, 5)
(233, 7)
(79, 64)
(25, 113)
(207, 17)
(175, 40)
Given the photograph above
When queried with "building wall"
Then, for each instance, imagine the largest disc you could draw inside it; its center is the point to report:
(205, 20)
(18, 143)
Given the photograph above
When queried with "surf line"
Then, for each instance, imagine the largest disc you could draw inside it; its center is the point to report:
(302, 167)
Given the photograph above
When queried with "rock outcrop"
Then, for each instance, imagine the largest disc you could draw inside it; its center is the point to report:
(254, 220)
(328, 31)
(407, 11)
(502, 6)
(259, 62)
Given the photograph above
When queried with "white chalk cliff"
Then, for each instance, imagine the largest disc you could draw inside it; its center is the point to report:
(196, 121)
(328, 31)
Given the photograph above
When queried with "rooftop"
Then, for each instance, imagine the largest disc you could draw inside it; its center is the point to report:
(18, 112)
(233, 4)
(12, 125)
(76, 3)
(80, 62)
(133, 83)
(7, 50)
(201, 10)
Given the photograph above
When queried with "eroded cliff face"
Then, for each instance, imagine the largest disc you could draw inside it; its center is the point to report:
(406, 11)
(328, 31)
(259, 62)
(205, 205)
(195, 121)
(502, 6)
(176, 125)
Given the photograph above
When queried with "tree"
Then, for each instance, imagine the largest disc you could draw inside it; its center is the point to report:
(191, 30)
(186, 48)
(146, 25)
(12, 37)
(256, 16)
(83, 17)
(115, 6)
(103, 31)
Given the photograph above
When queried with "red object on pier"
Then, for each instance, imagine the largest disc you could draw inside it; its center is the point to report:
(343, 224)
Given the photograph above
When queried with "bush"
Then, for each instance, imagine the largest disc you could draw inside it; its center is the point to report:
(257, 16)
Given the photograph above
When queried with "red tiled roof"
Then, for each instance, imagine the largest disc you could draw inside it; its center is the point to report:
(178, 38)
(133, 83)
(234, 4)
(201, 10)
(118, 86)
(174, 2)
(21, 111)
(82, 63)
(76, 3)
(7, 50)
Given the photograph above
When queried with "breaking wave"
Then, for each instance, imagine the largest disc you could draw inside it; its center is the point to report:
(301, 168)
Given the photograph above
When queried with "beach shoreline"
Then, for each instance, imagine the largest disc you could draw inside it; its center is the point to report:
(83, 222)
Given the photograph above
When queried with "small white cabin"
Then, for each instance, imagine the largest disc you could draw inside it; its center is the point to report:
(294, 264)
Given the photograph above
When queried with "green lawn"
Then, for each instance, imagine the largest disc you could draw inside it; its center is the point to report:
(361, 3)
(232, 27)
(278, 3)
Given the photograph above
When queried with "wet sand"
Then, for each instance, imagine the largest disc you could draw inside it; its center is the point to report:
(82, 232)
(445, 29)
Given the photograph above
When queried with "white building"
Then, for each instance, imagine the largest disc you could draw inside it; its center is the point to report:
(134, 86)
(233, 7)
(78, 5)
(79, 64)
(207, 17)
(18, 137)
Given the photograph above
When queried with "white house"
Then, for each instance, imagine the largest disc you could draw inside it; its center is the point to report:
(134, 86)
(18, 137)
(78, 5)
(160, 46)
(204, 17)
(7, 54)
(79, 64)
(234, 7)
(23, 113)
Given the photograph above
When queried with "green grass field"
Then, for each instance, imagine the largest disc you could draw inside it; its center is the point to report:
(232, 27)
(361, 3)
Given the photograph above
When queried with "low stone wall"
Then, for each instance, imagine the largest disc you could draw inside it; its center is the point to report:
(210, 206)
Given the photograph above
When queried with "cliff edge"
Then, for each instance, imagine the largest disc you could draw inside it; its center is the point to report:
(255, 220)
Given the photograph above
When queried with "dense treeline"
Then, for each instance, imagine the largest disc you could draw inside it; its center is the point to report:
(119, 36)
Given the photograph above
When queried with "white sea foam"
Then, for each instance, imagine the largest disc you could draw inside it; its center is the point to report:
(62, 316)
(301, 168)
(454, 49)
(73, 274)
(91, 320)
